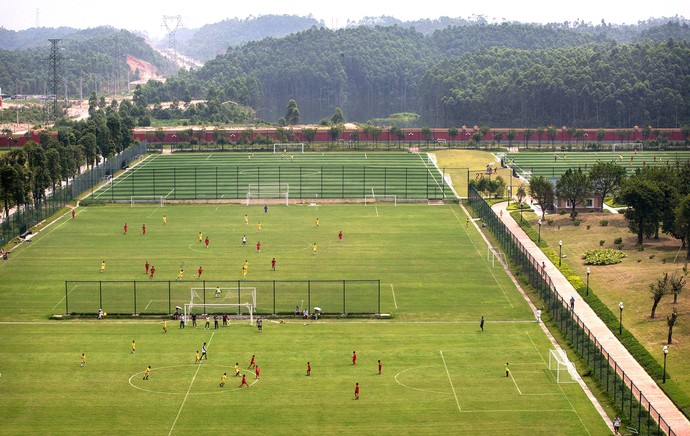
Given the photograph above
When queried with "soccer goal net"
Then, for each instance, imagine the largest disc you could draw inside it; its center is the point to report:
(288, 147)
(157, 200)
(219, 295)
(219, 309)
(564, 369)
(270, 191)
(495, 256)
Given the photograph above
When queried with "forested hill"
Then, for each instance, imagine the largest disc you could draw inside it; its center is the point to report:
(214, 39)
(96, 58)
(504, 74)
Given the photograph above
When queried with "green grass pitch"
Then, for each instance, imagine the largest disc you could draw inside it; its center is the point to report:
(440, 372)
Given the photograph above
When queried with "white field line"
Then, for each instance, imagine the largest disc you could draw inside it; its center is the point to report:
(514, 382)
(63, 298)
(123, 177)
(451, 382)
(489, 269)
(394, 301)
(208, 344)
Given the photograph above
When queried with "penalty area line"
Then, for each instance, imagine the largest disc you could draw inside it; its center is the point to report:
(63, 298)
(394, 301)
(188, 389)
(451, 381)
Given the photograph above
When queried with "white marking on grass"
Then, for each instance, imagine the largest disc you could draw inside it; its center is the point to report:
(147, 306)
(514, 382)
(208, 344)
(151, 214)
(487, 264)
(171, 191)
(393, 291)
(451, 381)
(413, 388)
(377, 211)
(63, 298)
(209, 156)
(220, 391)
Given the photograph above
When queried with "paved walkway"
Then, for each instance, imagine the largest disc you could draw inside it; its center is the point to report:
(657, 398)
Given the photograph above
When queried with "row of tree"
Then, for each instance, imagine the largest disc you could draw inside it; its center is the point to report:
(657, 197)
(27, 173)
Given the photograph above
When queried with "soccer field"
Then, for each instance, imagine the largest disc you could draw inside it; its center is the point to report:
(441, 373)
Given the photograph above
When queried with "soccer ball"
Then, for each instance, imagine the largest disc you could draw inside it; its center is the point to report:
(105, 313)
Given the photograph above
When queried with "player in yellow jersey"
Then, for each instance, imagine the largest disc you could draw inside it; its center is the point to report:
(313, 248)
(246, 219)
(102, 266)
(201, 237)
(134, 347)
(180, 275)
(165, 326)
(244, 271)
(237, 369)
(147, 371)
(83, 360)
(258, 226)
(318, 223)
(165, 220)
(198, 358)
(222, 379)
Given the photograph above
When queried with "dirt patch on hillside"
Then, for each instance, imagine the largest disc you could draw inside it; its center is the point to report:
(146, 70)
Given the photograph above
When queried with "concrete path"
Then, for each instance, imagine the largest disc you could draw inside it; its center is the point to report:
(656, 397)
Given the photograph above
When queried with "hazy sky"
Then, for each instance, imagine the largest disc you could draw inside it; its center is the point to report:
(147, 15)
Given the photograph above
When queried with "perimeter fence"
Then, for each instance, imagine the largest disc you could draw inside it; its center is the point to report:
(627, 397)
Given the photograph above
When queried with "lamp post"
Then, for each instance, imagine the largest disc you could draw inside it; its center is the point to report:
(563, 129)
(620, 318)
(588, 271)
(665, 354)
(560, 252)
(539, 235)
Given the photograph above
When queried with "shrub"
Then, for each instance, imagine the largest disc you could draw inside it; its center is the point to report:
(652, 256)
(618, 241)
(601, 242)
(604, 223)
(549, 221)
(577, 223)
(589, 226)
(620, 246)
(562, 212)
(640, 247)
(603, 256)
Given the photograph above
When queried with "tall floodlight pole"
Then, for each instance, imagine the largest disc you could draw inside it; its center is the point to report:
(54, 66)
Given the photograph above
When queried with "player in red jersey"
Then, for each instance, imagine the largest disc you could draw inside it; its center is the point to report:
(125, 228)
(258, 247)
(244, 381)
(146, 266)
(308, 368)
(356, 391)
(354, 358)
(153, 271)
(380, 365)
(340, 236)
(199, 271)
(257, 370)
(252, 364)
(143, 229)
(206, 241)
(273, 263)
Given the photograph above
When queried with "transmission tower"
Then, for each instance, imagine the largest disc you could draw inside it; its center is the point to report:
(54, 73)
(171, 24)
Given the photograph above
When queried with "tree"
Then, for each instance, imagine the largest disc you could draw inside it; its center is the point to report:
(658, 289)
(426, 134)
(606, 178)
(512, 133)
(574, 186)
(677, 283)
(453, 133)
(528, 135)
(292, 113)
(309, 134)
(541, 190)
(682, 223)
(643, 199)
(338, 117)
(671, 321)
(551, 133)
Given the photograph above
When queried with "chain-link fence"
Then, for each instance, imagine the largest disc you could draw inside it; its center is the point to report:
(626, 396)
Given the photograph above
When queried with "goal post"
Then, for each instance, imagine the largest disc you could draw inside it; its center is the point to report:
(564, 369)
(157, 200)
(223, 295)
(268, 191)
(288, 147)
(495, 256)
(219, 309)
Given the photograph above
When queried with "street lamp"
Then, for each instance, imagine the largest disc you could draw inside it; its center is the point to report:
(620, 318)
(539, 238)
(560, 252)
(563, 129)
(588, 271)
(665, 353)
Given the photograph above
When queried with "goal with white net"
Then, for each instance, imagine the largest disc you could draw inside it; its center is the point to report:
(156, 200)
(268, 191)
(288, 147)
(564, 368)
(495, 256)
(220, 295)
(219, 309)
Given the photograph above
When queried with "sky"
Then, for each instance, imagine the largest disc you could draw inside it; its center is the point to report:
(147, 15)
